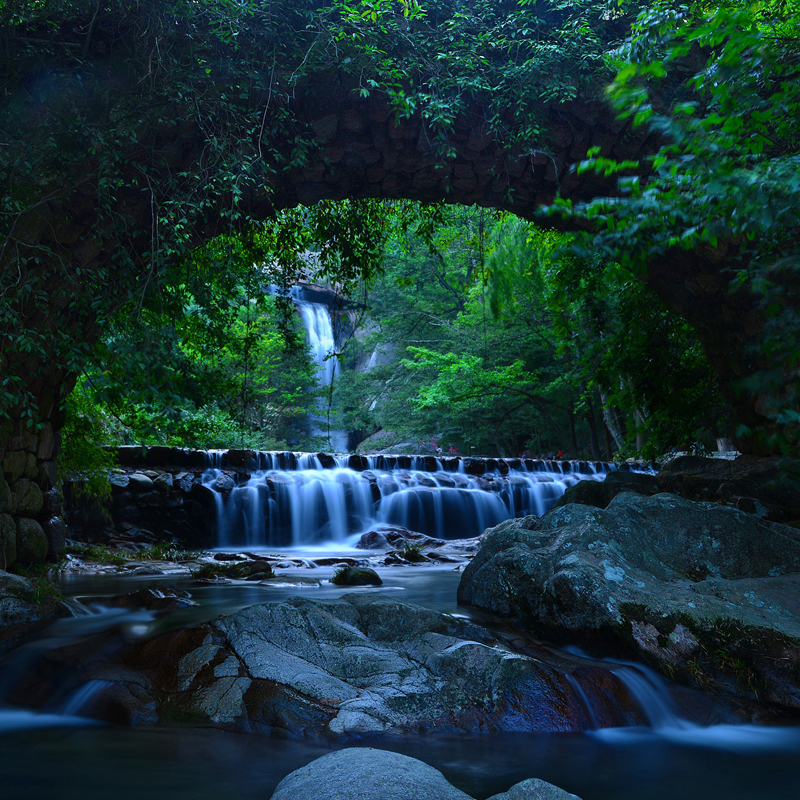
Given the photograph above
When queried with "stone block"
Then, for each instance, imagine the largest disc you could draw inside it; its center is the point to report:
(26, 498)
(139, 482)
(325, 128)
(163, 482)
(32, 544)
(352, 121)
(56, 532)
(47, 474)
(16, 465)
(8, 541)
(52, 503)
(47, 443)
(5, 496)
(25, 439)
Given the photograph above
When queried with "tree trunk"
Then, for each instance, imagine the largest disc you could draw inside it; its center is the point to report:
(612, 422)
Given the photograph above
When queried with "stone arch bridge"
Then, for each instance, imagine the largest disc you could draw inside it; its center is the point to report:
(360, 148)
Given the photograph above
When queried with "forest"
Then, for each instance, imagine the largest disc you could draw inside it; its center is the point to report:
(358, 359)
(648, 310)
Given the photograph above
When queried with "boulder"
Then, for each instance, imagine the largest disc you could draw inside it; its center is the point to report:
(5, 495)
(707, 594)
(364, 773)
(8, 541)
(26, 498)
(18, 464)
(25, 609)
(55, 530)
(600, 493)
(225, 482)
(767, 487)
(32, 544)
(363, 664)
(386, 537)
(140, 482)
(349, 575)
(535, 789)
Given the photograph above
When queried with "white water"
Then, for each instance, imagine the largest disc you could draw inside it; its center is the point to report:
(295, 502)
(319, 331)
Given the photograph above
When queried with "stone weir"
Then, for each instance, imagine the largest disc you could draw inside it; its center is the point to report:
(245, 498)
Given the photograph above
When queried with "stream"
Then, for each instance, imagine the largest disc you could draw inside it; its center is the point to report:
(57, 753)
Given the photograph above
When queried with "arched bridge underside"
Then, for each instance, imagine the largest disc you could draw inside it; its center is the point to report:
(80, 208)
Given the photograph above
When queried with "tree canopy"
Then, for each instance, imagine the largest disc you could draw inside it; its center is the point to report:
(134, 131)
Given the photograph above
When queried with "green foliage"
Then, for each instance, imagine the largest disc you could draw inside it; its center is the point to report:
(413, 553)
(108, 94)
(721, 89)
(82, 454)
(98, 553)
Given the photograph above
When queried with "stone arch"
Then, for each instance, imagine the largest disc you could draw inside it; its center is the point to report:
(361, 149)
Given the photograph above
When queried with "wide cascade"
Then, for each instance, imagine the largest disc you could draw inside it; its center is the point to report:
(295, 500)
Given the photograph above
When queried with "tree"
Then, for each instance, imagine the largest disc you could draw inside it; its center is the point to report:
(721, 194)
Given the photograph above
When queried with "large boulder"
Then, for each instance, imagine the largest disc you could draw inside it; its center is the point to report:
(32, 543)
(704, 592)
(26, 607)
(363, 773)
(767, 487)
(600, 493)
(535, 789)
(363, 664)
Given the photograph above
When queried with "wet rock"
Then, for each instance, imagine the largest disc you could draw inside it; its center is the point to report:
(392, 536)
(56, 532)
(52, 505)
(289, 580)
(534, 789)
(600, 493)
(224, 482)
(152, 599)
(118, 480)
(364, 773)
(32, 544)
(356, 576)
(21, 616)
(767, 487)
(359, 665)
(705, 593)
(140, 482)
(358, 463)
(163, 482)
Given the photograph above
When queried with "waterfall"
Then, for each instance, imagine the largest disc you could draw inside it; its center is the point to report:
(319, 331)
(296, 500)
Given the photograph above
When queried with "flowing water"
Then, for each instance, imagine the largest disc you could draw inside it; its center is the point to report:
(302, 501)
(57, 753)
(312, 509)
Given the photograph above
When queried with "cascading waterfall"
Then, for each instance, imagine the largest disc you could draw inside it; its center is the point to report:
(291, 500)
(317, 322)
(322, 341)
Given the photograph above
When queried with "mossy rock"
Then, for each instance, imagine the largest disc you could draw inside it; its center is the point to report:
(356, 576)
(32, 544)
(5, 495)
(27, 498)
(8, 541)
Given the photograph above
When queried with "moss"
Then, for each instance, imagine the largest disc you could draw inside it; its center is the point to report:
(729, 650)
(97, 552)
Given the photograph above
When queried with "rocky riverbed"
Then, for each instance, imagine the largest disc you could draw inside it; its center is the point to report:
(704, 593)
